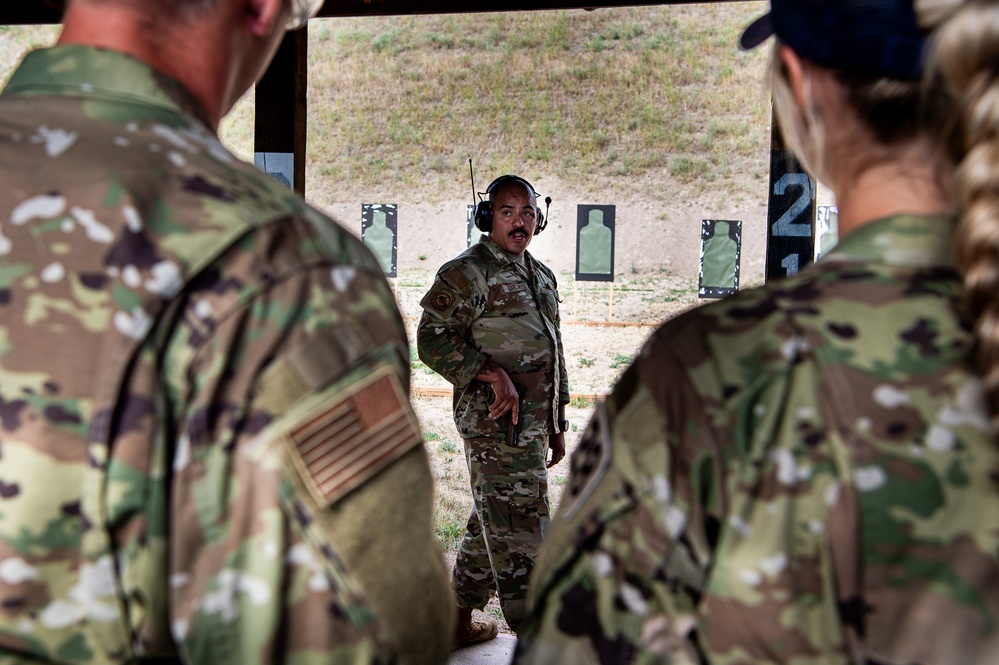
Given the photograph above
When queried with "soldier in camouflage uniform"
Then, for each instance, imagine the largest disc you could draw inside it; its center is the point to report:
(203, 381)
(490, 326)
(805, 472)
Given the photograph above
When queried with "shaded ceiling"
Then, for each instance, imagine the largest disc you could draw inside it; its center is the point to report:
(28, 12)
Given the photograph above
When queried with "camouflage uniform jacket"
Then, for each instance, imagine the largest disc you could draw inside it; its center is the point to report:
(485, 305)
(175, 327)
(801, 473)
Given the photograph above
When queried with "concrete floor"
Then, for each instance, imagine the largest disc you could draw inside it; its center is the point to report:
(493, 652)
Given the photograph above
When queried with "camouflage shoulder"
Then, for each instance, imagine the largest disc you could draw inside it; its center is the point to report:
(463, 273)
(625, 433)
(272, 201)
(542, 268)
(343, 246)
(619, 521)
(757, 333)
(753, 323)
(612, 465)
(442, 299)
(456, 281)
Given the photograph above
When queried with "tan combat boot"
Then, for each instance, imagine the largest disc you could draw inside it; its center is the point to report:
(468, 632)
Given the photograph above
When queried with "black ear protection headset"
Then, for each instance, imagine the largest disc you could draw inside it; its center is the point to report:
(484, 209)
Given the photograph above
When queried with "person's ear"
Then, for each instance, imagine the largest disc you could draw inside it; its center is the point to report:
(795, 73)
(263, 15)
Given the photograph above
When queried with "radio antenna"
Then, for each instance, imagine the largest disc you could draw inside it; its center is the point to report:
(472, 176)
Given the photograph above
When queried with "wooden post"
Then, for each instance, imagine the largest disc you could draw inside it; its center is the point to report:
(791, 211)
(280, 124)
(610, 307)
(575, 300)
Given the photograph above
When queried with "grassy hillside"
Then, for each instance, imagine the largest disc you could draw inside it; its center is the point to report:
(612, 97)
(404, 102)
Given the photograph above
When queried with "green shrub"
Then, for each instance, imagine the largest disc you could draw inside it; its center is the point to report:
(620, 360)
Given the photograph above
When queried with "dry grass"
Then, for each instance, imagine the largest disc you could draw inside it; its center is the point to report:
(607, 98)
(401, 103)
(16, 40)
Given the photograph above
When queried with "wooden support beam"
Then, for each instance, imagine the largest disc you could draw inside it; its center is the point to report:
(790, 211)
(30, 12)
(281, 110)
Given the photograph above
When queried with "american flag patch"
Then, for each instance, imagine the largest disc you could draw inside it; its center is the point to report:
(457, 278)
(369, 427)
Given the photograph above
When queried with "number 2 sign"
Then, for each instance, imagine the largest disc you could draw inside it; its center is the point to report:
(790, 231)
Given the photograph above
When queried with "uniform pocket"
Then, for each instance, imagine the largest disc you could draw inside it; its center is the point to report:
(513, 503)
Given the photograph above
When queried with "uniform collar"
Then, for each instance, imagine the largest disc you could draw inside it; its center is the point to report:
(87, 72)
(903, 240)
(499, 254)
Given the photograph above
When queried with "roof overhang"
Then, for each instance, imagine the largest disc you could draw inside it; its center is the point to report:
(47, 11)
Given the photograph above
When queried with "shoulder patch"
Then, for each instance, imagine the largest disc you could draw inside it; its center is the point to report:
(588, 464)
(369, 427)
(456, 276)
(441, 300)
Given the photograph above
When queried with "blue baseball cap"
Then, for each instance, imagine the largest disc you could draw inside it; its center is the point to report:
(876, 36)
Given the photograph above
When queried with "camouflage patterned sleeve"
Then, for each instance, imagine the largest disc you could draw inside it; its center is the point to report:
(443, 336)
(287, 381)
(563, 383)
(618, 576)
(689, 531)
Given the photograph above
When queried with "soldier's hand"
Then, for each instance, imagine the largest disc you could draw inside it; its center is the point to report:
(505, 399)
(556, 446)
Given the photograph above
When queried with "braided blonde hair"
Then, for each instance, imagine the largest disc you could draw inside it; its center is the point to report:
(958, 104)
(965, 61)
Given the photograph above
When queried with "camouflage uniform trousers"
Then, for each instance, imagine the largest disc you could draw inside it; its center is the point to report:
(506, 525)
